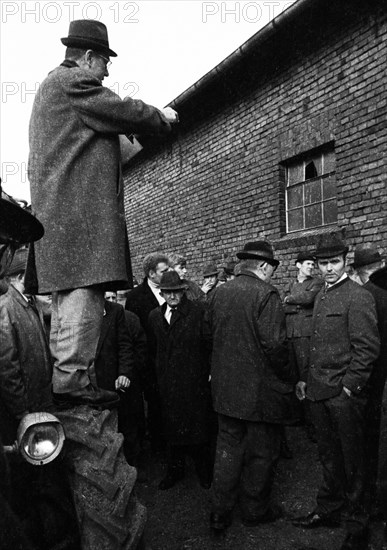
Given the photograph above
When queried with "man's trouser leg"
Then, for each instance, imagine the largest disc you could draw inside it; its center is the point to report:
(331, 495)
(246, 452)
(263, 443)
(75, 329)
(340, 438)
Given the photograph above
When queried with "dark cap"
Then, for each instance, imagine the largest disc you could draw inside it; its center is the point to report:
(88, 34)
(170, 280)
(329, 245)
(305, 256)
(210, 270)
(365, 255)
(258, 250)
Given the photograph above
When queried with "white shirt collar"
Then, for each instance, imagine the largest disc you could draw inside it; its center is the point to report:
(344, 276)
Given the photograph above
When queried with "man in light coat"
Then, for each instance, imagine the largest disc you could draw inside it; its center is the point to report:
(77, 192)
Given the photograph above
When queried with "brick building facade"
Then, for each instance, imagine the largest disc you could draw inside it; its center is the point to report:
(286, 138)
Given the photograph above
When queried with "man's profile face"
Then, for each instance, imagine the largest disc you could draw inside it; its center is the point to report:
(332, 268)
(305, 268)
(155, 276)
(96, 63)
(172, 297)
(266, 272)
(181, 270)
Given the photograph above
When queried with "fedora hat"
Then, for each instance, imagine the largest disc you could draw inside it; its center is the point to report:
(170, 280)
(16, 223)
(365, 255)
(329, 245)
(304, 256)
(258, 250)
(210, 270)
(89, 34)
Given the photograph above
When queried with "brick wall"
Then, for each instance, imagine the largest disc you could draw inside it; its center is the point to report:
(218, 183)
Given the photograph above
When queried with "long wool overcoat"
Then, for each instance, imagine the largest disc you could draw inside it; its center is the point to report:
(251, 377)
(76, 181)
(182, 368)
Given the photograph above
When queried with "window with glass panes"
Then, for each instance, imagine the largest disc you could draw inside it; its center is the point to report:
(311, 191)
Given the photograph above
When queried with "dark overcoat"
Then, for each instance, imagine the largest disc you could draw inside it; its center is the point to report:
(76, 181)
(25, 363)
(141, 301)
(379, 372)
(182, 368)
(251, 376)
(115, 354)
(345, 341)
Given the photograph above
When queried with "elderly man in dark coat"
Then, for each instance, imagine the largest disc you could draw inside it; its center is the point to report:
(77, 192)
(252, 385)
(182, 367)
(344, 347)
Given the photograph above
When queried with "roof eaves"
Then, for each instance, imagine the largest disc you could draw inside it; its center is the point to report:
(242, 51)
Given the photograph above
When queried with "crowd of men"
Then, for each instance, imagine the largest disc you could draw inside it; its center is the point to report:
(211, 372)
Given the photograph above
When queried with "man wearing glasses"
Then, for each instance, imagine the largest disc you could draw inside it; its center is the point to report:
(77, 193)
(251, 384)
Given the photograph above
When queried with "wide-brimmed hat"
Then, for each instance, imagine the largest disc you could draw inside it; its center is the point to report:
(329, 245)
(210, 270)
(258, 250)
(19, 262)
(170, 280)
(16, 223)
(305, 256)
(89, 34)
(365, 255)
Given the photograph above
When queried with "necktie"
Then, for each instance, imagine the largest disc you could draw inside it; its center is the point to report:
(32, 303)
(173, 313)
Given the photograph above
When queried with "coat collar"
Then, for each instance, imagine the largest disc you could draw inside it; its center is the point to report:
(182, 309)
(69, 64)
(17, 296)
(247, 273)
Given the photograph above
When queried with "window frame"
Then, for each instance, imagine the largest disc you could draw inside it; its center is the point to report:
(304, 160)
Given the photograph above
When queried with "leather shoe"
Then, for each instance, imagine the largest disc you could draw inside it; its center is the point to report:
(89, 395)
(171, 479)
(271, 515)
(356, 541)
(219, 522)
(314, 519)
